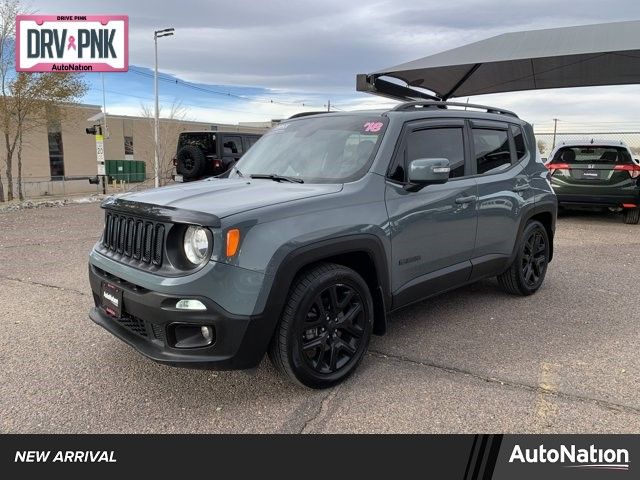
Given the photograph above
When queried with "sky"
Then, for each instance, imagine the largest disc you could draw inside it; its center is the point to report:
(243, 60)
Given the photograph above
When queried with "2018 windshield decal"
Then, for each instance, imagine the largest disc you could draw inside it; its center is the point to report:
(373, 127)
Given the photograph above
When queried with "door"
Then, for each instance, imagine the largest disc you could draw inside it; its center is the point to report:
(432, 230)
(499, 158)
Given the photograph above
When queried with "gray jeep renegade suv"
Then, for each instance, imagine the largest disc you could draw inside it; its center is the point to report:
(326, 226)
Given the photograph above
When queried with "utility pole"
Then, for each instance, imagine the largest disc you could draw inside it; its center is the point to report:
(104, 108)
(156, 120)
(103, 132)
(555, 128)
(328, 105)
(96, 131)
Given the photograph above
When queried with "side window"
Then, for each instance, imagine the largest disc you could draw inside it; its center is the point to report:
(232, 146)
(439, 143)
(518, 139)
(491, 150)
(249, 142)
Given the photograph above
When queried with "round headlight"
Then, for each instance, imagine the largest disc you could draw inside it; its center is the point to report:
(196, 244)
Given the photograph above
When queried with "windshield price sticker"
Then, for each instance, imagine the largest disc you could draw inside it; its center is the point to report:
(373, 127)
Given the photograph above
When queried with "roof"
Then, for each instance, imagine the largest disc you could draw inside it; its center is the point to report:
(588, 55)
(588, 142)
(424, 109)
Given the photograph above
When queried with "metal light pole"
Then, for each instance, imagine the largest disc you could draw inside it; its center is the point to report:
(156, 120)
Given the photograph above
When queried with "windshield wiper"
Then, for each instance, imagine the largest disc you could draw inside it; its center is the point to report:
(277, 178)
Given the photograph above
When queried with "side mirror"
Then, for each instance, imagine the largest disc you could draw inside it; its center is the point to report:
(428, 171)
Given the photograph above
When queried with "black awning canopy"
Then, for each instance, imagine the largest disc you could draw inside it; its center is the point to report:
(589, 55)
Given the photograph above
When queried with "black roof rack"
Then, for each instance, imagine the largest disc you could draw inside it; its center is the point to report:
(438, 104)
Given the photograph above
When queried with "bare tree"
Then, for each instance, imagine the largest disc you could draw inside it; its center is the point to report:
(8, 11)
(170, 128)
(27, 100)
(542, 147)
(32, 100)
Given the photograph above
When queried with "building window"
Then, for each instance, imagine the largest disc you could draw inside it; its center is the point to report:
(128, 145)
(56, 154)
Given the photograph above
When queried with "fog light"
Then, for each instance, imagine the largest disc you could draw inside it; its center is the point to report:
(207, 333)
(189, 304)
(184, 335)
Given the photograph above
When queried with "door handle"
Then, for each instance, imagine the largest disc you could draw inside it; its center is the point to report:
(463, 200)
(521, 188)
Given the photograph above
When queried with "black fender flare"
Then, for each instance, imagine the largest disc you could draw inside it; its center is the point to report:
(294, 261)
(549, 207)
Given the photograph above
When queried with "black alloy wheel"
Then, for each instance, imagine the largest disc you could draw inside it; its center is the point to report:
(529, 265)
(325, 327)
(534, 259)
(333, 329)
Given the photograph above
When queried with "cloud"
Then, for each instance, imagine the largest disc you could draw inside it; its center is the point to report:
(307, 49)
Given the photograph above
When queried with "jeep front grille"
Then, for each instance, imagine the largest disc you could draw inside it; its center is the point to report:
(134, 238)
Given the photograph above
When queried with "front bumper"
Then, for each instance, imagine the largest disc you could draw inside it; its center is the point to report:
(147, 316)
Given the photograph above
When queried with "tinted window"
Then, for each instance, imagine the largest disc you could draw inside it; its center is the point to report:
(204, 140)
(491, 149)
(592, 154)
(518, 139)
(250, 141)
(436, 143)
(232, 146)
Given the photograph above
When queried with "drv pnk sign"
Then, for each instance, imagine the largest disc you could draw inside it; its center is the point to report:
(72, 43)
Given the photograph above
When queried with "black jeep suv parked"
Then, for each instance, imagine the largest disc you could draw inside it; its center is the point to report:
(209, 153)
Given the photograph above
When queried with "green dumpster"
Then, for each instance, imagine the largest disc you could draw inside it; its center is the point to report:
(126, 170)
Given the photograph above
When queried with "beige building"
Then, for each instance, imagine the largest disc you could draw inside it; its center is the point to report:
(58, 158)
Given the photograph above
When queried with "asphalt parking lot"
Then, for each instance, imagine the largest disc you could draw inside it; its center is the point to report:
(474, 360)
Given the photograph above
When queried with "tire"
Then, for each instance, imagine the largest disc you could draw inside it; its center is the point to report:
(526, 274)
(192, 162)
(325, 327)
(632, 216)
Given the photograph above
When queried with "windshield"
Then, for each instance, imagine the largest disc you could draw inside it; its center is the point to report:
(332, 149)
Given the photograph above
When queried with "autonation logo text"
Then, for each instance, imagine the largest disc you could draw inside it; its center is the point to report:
(574, 457)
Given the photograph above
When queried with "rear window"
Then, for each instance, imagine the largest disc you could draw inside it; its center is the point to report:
(592, 154)
(204, 140)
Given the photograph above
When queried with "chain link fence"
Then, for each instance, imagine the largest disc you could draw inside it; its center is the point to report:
(547, 140)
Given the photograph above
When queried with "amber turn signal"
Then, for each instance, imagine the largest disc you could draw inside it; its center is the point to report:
(233, 241)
